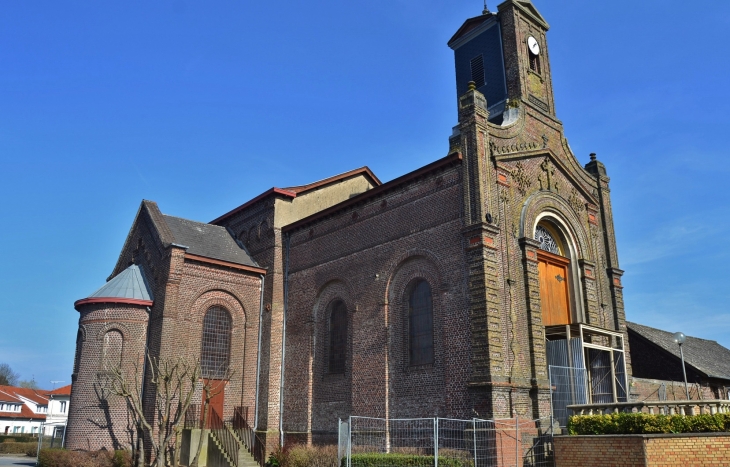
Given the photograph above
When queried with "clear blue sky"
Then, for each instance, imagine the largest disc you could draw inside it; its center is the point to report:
(202, 105)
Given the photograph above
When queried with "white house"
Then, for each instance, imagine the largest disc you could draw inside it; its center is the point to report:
(58, 402)
(22, 410)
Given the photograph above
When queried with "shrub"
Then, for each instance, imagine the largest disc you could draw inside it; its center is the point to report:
(64, 458)
(641, 423)
(311, 456)
(16, 448)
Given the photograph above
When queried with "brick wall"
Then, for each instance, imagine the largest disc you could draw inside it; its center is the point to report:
(670, 450)
(97, 418)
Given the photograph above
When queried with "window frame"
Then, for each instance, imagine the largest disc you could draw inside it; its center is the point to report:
(337, 306)
(213, 369)
(427, 360)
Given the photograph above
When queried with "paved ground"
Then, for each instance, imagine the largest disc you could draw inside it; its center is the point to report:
(13, 460)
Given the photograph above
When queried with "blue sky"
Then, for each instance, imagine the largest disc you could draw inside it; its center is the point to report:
(202, 105)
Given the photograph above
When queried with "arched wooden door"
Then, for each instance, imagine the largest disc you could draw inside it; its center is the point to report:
(554, 291)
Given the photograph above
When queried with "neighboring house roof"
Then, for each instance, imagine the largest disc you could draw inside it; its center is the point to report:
(62, 391)
(211, 241)
(18, 394)
(5, 397)
(706, 356)
(129, 286)
(292, 192)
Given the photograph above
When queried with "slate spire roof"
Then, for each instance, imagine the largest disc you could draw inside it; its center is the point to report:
(704, 355)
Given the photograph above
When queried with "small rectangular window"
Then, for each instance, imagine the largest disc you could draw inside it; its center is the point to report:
(534, 62)
(477, 71)
(63, 406)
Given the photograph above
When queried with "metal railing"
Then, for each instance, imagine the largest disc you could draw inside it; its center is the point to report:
(248, 436)
(224, 438)
(192, 417)
(654, 407)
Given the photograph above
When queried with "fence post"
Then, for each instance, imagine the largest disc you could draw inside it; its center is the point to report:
(436, 442)
(349, 443)
(518, 444)
(474, 426)
(339, 440)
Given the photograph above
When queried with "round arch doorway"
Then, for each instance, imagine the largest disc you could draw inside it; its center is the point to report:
(554, 272)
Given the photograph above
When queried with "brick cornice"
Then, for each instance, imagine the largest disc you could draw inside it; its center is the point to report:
(123, 301)
(218, 262)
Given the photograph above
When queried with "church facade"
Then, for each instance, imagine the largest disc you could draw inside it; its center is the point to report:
(450, 291)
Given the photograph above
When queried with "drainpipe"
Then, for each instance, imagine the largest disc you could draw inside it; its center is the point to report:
(283, 340)
(258, 357)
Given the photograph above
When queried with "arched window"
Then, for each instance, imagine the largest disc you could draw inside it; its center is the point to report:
(337, 337)
(420, 323)
(112, 350)
(79, 348)
(215, 343)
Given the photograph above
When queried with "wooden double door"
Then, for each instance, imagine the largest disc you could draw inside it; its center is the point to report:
(554, 288)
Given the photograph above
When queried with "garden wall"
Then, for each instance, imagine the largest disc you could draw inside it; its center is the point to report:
(660, 450)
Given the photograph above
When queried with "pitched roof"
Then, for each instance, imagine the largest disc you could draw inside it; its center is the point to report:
(704, 355)
(365, 171)
(30, 394)
(292, 192)
(208, 240)
(62, 391)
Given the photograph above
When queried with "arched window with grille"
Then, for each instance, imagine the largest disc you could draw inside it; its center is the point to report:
(215, 343)
(112, 350)
(337, 352)
(420, 323)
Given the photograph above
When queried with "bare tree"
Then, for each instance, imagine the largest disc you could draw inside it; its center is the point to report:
(7, 376)
(174, 381)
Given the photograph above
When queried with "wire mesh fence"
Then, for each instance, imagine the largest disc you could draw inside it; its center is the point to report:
(568, 386)
(422, 442)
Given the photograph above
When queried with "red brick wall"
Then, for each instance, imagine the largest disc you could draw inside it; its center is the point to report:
(680, 450)
(96, 418)
(367, 256)
(183, 290)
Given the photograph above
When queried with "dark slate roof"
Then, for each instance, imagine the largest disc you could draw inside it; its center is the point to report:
(211, 241)
(129, 283)
(706, 356)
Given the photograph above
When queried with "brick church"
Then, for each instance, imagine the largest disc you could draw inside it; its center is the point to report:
(449, 291)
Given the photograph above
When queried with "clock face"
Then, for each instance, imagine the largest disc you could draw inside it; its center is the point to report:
(533, 45)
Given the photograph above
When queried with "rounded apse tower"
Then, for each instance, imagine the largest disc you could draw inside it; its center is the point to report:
(112, 334)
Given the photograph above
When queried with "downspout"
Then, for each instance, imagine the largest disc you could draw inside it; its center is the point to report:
(283, 340)
(258, 357)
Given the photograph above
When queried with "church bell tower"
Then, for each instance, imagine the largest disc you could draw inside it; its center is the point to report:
(505, 54)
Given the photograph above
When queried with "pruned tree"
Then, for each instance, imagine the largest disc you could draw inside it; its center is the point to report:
(7, 376)
(174, 381)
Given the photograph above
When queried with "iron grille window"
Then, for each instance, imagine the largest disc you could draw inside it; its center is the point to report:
(337, 337)
(216, 343)
(113, 343)
(420, 324)
(477, 70)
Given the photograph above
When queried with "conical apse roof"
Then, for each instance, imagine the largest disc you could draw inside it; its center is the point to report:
(129, 286)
